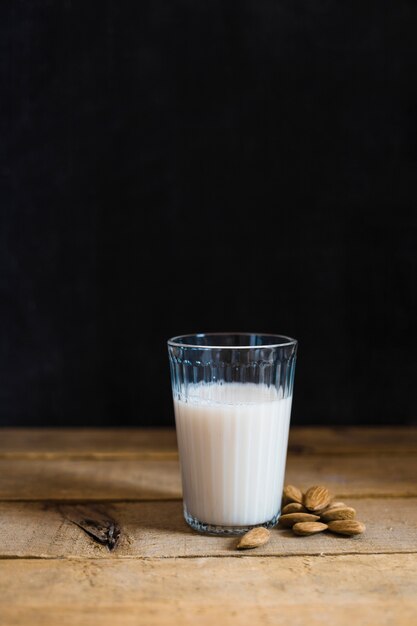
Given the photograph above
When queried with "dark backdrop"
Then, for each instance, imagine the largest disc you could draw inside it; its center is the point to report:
(179, 166)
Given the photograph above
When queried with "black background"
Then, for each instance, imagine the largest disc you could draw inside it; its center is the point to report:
(173, 166)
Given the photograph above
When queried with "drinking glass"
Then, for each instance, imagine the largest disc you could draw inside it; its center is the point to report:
(232, 397)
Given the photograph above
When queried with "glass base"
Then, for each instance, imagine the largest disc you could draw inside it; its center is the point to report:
(213, 529)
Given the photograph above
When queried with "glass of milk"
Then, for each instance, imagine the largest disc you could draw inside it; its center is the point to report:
(232, 398)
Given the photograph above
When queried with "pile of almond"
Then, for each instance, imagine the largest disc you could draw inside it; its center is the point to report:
(315, 511)
(306, 514)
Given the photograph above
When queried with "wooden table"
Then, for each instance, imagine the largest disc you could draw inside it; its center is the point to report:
(160, 572)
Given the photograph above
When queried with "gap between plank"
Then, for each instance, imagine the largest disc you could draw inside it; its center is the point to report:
(340, 494)
(238, 555)
(173, 455)
(90, 456)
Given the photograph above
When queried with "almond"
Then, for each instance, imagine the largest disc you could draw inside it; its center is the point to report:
(347, 527)
(292, 494)
(346, 512)
(308, 528)
(254, 538)
(294, 518)
(293, 507)
(334, 505)
(316, 498)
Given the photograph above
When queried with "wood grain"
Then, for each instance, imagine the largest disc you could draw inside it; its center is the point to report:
(81, 480)
(140, 443)
(157, 529)
(353, 441)
(159, 479)
(342, 590)
(36, 443)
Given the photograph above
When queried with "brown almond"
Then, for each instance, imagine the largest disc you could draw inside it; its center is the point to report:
(346, 527)
(254, 538)
(292, 494)
(294, 518)
(308, 528)
(334, 505)
(335, 513)
(293, 507)
(316, 498)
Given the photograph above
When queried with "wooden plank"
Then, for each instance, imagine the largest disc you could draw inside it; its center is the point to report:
(153, 479)
(82, 480)
(341, 590)
(352, 441)
(157, 529)
(95, 443)
(141, 443)
(367, 476)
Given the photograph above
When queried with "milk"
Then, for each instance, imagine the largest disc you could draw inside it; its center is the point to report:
(232, 440)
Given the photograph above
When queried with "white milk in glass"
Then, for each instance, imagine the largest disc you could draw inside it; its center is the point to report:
(232, 440)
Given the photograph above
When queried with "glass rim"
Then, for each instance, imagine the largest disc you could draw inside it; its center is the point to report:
(176, 341)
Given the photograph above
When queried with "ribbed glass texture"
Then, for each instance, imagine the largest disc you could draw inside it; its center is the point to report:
(232, 397)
